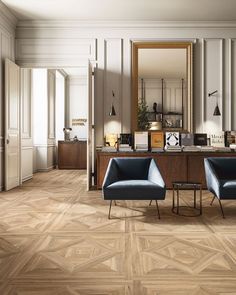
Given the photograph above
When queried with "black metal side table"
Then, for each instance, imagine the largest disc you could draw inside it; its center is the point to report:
(180, 185)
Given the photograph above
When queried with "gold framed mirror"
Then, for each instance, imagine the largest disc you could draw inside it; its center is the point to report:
(162, 86)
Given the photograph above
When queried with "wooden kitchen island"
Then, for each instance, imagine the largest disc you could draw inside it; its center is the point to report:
(183, 166)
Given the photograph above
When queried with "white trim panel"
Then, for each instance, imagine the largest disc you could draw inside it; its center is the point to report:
(232, 83)
(113, 71)
(55, 49)
(213, 80)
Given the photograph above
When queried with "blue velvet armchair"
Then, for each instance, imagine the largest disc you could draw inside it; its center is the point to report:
(133, 179)
(221, 178)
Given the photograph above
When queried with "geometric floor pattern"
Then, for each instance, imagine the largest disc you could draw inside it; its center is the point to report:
(55, 238)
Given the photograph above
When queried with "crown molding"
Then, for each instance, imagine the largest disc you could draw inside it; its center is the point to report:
(7, 19)
(123, 24)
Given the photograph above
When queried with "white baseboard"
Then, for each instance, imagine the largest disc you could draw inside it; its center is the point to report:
(27, 178)
(46, 169)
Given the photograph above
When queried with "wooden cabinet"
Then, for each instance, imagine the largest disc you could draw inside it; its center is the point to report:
(72, 154)
(173, 166)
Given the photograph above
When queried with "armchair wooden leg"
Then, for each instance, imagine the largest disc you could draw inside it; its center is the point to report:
(221, 208)
(158, 213)
(109, 214)
(212, 200)
(150, 203)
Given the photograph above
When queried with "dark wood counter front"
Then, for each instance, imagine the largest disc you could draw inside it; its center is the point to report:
(184, 166)
(72, 154)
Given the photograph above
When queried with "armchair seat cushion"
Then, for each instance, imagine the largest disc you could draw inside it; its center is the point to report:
(134, 190)
(228, 189)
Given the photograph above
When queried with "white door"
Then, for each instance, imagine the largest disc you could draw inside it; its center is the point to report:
(90, 140)
(12, 125)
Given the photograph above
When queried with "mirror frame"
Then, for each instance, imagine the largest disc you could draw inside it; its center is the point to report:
(136, 45)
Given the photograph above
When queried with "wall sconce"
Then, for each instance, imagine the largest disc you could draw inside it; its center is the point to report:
(112, 110)
(216, 110)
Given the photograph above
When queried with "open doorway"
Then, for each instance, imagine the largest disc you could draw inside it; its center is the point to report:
(60, 111)
(51, 100)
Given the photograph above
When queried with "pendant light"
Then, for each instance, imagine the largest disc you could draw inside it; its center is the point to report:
(112, 109)
(217, 109)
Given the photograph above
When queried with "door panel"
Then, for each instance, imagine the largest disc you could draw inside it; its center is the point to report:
(12, 125)
(90, 131)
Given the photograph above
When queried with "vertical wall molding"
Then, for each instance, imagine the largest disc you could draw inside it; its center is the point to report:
(232, 84)
(203, 84)
(213, 79)
(113, 73)
(26, 105)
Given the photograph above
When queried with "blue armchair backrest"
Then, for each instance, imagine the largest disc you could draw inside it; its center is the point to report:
(133, 168)
(225, 168)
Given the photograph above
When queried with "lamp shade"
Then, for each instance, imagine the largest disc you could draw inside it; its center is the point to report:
(217, 111)
(112, 110)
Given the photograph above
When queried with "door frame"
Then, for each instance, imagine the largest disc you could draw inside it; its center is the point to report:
(60, 65)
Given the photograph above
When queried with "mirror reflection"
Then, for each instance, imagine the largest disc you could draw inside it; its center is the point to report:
(163, 81)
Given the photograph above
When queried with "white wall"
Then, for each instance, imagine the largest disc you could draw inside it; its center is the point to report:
(77, 104)
(26, 126)
(7, 35)
(43, 95)
(67, 43)
(60, 106)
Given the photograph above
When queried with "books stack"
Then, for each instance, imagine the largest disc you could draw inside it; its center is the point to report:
(186, 139)
(157, 150)
(200, 139)
(125, 148)
(141, 141)
(172, 138)
(173, 149)
(141, 147)
(217, 139)
(126, 138)
(109, 149)
(232, 146)
(191, 148)
(230, 138)
(111, 139)
(207, 148)
(157, 142)
(223, 149)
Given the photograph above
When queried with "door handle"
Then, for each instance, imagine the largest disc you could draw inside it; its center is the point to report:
(7, 141)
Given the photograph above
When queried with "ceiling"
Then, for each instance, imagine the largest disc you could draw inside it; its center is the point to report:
(124, 10)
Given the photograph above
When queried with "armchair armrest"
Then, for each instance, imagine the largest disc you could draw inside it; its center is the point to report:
(111, 175)
(213, 183)
(154, 174)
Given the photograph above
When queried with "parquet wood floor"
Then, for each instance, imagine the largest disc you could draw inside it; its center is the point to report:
(55, 239)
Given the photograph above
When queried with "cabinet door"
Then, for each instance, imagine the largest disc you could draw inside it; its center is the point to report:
(196, 171)
(172, 168)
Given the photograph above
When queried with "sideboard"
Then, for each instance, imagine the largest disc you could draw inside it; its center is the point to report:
(184, 166)
(72, 154)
